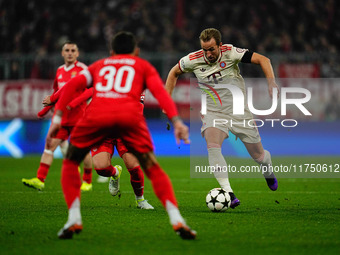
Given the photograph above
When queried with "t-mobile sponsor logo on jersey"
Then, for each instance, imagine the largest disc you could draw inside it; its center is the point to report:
(238, 104)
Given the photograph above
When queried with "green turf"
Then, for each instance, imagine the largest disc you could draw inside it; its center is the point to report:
(302, 217)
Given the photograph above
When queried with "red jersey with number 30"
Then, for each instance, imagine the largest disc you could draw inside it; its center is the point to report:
(114, 111)
(119, 81)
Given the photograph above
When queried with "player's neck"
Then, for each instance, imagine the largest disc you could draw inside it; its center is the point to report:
(67, 64)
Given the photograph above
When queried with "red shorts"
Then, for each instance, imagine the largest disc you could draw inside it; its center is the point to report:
(64, 132)
(108, 146)
(130, 126)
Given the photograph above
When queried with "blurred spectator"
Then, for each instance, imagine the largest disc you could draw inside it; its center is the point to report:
(287, 27)
(264, 26)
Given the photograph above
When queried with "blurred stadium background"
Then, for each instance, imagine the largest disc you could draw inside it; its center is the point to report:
(302, 39)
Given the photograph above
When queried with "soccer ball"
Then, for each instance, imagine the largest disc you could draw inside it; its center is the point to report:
(218, 200)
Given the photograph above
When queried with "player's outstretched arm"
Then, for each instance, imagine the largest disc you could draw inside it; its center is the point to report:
(267, 69)
(55, 96)
(171, 81)
(88, 93)
(41, 114)
(69, 89)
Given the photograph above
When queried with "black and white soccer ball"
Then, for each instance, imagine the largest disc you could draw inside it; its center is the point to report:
(218, 200)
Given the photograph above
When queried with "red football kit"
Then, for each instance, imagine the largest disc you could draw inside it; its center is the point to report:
(109, 143)
(63, 75)
(114, 111)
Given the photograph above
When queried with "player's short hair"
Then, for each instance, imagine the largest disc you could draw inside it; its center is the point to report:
(123, 43)
(68, 42)
(209, 33)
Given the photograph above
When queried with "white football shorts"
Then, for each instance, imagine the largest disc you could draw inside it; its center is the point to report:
(242, 127)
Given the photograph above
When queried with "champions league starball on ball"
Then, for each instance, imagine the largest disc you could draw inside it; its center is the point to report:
(218, 200)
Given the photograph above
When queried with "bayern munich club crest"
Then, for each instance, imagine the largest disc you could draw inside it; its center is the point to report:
(223, 64)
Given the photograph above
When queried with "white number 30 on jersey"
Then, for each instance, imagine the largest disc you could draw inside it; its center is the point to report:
(114, 79)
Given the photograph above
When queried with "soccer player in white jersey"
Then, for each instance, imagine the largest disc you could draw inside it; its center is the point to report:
(217, 64)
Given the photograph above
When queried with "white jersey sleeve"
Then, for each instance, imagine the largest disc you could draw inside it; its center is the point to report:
(189, 62)
(235, 54)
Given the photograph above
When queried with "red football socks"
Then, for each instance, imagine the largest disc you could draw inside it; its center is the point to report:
(107, 172)
(70, 181)
(137, 180)
(87, 175)
(42, 171)
(161, 184)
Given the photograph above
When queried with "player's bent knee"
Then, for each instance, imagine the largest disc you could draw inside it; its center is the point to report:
(130, 160)
(100, 164)
(101, 160)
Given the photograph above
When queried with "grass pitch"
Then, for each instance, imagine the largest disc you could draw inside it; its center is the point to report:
(301, 217)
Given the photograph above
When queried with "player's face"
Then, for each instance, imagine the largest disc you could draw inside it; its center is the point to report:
(70, 53)
(211, 50)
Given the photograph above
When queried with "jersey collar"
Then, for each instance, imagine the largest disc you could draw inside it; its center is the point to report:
(69, 67)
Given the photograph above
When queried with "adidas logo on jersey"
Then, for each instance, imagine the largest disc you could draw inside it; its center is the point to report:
(60, 76)
(202, 69)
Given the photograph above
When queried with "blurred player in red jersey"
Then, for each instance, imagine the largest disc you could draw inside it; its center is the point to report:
(103, 153)
(70, 69)
(101, 156)
(118, 82)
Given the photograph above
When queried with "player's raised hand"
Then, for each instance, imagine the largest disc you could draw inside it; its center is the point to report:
(181, 132)
(47, 101)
